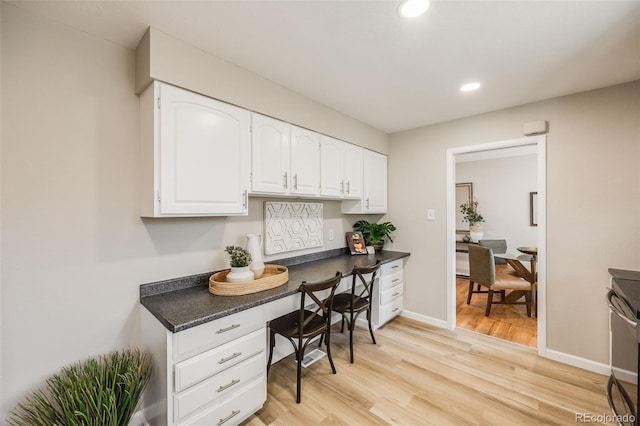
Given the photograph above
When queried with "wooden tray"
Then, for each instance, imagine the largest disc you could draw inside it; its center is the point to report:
(273, 276)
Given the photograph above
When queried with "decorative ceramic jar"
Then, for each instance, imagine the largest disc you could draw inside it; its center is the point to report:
(239, 274)
(475, 231)
(254, 247)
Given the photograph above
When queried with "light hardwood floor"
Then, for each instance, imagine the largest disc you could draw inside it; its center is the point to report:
(423, 375)
(508, 322)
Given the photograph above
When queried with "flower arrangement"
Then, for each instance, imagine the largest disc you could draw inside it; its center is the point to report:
(239, 256)
(471, 213)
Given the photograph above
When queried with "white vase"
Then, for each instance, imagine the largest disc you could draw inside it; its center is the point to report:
(254, 247)
(239, 274)
(475, 232)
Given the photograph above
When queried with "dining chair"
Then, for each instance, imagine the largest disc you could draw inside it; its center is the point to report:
(351, 304)
(482, 270)
(497, 246)
(302, 325)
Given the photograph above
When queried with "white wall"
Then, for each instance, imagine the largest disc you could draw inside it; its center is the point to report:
(593, 205)
(502, 186)
(166, 58)
(74, 249)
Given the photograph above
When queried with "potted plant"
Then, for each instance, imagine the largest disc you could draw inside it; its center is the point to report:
(375, 233)
(240, 261)
(472, 215)
(98, 391)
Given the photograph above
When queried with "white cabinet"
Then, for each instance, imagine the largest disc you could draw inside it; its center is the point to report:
(341, 165)
(332, 182)
(213, 371)
(305, 161)
(285, 159)
(374, 192)
(270, 155)
(194, 154)
(353, 166)
(387, 300)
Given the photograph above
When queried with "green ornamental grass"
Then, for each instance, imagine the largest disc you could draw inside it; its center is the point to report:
(98, 391)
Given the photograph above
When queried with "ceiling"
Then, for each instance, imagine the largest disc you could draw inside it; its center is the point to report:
(362, 59)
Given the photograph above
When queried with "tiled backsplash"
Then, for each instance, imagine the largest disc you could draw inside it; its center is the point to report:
(292, 226)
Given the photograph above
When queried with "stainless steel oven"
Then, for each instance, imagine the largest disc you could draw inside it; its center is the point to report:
(624, 303)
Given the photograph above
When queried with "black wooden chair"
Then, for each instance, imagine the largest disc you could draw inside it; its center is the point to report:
(359, 299)
(304, 325)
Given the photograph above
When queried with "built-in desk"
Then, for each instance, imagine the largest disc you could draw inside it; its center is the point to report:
(209, 351)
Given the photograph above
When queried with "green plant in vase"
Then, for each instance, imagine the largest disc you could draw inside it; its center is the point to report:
(375, 233)
(101, 391)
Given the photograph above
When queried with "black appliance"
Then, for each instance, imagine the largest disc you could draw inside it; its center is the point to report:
(624, 345)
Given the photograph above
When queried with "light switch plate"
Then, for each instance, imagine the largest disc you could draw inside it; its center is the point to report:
(431, 214)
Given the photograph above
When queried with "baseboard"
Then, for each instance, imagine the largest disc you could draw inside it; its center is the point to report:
(425, 319)
(585, 364)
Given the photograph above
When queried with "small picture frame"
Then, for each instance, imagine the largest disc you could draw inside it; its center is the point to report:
(355, 241)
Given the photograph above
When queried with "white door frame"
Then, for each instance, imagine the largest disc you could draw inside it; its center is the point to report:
(541, 143)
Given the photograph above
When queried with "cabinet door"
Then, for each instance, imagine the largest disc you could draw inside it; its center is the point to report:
(305, 161)
(204, 155)
(270, 141)
(331, 167)
(353, 163)
(375, 182)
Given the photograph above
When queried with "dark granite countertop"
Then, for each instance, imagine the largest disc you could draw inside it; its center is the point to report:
(183, 303)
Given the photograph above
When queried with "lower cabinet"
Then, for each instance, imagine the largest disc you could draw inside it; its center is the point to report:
(387, 299)
(211, 374)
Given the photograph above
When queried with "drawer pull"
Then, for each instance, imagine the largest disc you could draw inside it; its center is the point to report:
(224, 330)
(396, 280)
(395, 266)
(395, 294)
(229, 417)
(395, 309)
(230, 357)
(228, 385)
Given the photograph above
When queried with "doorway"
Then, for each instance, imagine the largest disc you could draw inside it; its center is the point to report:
(537, 145)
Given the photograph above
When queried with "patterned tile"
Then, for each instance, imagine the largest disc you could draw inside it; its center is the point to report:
(292, 226)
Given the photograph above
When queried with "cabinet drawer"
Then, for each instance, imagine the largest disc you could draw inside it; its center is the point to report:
(392, 280)
(391, 267)
(225, 383)
(215, 333)
(389, 295)
(236, 408)
(390, 310)
(200, 367)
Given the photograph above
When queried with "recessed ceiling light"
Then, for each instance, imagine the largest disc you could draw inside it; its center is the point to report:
(469, 87)
(413, 8)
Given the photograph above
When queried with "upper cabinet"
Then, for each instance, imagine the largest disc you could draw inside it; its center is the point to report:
(353, 171)
(194, 154)
(305, 161)
(374, 186)
(285, 159)
(270, 155)
(341, 167)
(332, 167)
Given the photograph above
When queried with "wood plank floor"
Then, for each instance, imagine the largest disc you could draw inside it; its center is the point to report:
(423, 375)
(508, 322)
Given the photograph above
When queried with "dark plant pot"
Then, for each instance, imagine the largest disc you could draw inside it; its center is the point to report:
(378, 245)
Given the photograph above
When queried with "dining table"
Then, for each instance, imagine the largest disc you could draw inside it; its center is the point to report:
(529, 254)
